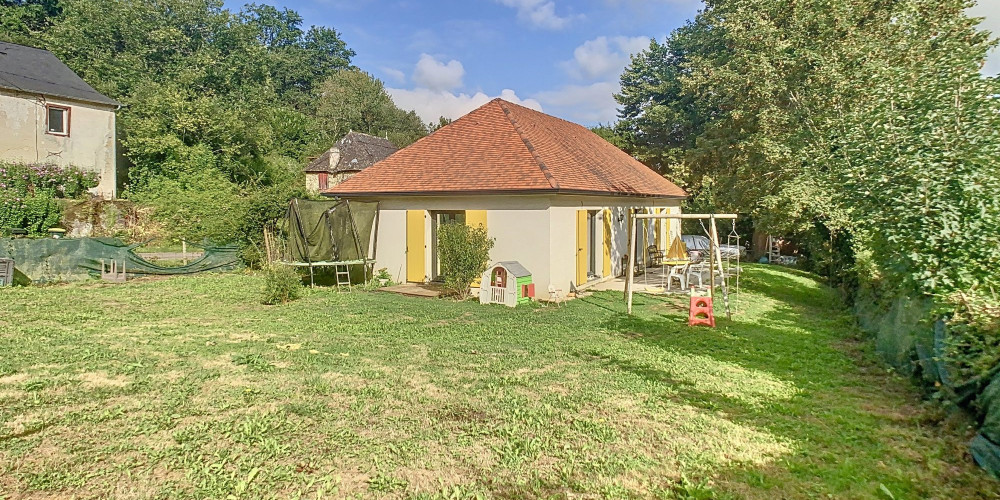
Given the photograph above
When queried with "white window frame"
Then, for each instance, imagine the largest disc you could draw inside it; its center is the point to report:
(66, 119)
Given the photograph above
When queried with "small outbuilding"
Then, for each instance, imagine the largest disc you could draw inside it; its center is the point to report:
(507, 283)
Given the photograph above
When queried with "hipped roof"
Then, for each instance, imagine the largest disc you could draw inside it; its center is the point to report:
(502, 147)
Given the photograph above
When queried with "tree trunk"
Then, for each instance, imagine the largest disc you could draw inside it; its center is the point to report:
(758, 246)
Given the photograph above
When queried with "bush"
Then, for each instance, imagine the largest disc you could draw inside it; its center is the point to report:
(282, 284)
(973, 344)
(28, 194)
(202, 206)
(464, 252)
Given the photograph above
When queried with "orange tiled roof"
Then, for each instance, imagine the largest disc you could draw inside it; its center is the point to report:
(502, 147)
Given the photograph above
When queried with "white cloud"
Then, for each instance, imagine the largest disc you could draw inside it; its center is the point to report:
(603, 57)
(538, 13)
(990, 11)
(431, 104)
(586, 104)
(432, 74)
(394, 75)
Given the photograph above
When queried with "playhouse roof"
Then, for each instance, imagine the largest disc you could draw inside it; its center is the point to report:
(514, 267)
(504, 148)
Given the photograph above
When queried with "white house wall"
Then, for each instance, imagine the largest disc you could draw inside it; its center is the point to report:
(89, 146)
(390, 251)
(537, 231)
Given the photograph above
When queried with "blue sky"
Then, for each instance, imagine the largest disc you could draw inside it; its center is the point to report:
(444, 58)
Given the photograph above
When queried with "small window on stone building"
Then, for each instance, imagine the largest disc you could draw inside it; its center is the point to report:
(57, 119)
(324, 181)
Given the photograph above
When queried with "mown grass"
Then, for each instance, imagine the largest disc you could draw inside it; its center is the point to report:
(186, 387)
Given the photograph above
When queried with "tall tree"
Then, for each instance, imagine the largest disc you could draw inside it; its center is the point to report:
(862, 119)
(353, 100)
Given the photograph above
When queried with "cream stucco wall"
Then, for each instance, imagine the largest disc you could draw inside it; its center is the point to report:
(538, 231)
(562, 237)
(90, 144)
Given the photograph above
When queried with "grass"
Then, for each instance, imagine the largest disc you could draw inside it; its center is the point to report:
(187, 387)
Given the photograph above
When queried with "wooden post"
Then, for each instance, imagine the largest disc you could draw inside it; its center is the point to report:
(184, 251)
(717, 260)
(711, 257)
(631, 263)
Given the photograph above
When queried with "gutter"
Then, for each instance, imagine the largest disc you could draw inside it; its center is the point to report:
(382, 194)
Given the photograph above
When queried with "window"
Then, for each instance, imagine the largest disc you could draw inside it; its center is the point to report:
(324, 181)
(57, 119)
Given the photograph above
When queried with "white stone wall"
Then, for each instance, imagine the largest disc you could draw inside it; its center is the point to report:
(90, 144)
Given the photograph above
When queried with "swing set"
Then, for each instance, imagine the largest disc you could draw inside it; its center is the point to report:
(679, 261)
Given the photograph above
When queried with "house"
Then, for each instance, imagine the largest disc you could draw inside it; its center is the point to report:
(350, 155)
(553, 194)
(50, 115)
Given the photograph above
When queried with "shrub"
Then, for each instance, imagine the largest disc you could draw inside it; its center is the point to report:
(202, 206)
(464, 252)
(282, 284)
(973, 344)
(28, 194)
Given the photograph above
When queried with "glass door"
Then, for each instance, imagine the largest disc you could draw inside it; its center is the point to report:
(439, 218)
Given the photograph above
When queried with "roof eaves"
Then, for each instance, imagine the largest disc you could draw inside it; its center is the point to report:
(481, 192)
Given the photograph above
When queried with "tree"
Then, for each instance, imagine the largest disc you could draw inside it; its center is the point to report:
(861, 126)
(442, 121)
(351, 99)
(215, 102)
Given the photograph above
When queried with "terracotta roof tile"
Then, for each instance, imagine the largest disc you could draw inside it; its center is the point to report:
(504, 147)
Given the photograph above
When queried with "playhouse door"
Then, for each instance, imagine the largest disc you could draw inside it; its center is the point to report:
(415, 246)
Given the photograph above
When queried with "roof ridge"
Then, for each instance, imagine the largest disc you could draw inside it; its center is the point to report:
(527, 143)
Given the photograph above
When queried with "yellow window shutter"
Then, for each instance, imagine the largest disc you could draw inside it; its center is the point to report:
(415, 246)
(475, 217)
(581, 247)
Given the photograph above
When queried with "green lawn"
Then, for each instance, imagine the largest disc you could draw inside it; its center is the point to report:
(187, 387)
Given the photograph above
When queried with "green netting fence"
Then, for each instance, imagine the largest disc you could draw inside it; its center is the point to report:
(916, 347)
(74, 259)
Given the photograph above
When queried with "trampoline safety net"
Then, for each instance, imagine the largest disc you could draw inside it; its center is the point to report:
(330, 231)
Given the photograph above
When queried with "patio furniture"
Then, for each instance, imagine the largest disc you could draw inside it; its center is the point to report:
(654, 256)
(678, 272)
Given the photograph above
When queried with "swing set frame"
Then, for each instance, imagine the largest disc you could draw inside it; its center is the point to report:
(715, 255)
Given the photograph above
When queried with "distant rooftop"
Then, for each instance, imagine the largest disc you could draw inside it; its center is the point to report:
(38, 71)
(357, 152)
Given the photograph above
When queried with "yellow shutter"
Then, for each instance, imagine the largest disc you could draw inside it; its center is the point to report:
(607, 242)
(415, 246)
(475, 218)
(581, 247)
(661, 231)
